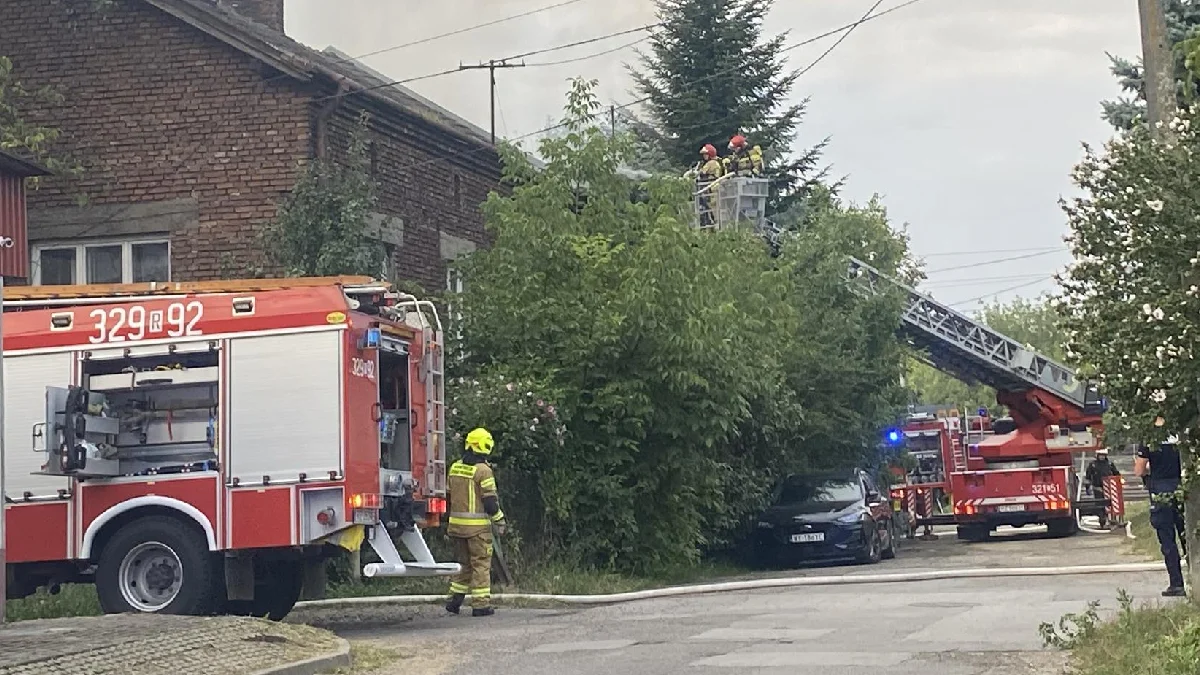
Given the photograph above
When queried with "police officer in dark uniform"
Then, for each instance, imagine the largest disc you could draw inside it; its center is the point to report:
(1161, 473)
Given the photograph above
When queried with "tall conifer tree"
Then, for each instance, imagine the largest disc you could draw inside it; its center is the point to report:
(711, 74)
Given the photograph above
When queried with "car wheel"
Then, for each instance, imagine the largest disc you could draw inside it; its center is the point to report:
(890, 552)
(873, 552)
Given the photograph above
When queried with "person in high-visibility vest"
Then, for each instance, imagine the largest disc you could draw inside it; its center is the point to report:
(474, 508)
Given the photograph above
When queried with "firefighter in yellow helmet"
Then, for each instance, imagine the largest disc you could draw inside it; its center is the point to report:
(707, 171)
(474, 508)
(744, 160)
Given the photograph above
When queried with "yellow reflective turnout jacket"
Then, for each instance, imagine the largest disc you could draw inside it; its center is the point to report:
(474, 502)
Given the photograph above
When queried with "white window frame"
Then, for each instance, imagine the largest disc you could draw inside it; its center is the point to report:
(81, 256)
(454, 284)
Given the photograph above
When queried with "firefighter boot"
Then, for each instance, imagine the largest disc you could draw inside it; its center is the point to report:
(483, 611)
(455, 603)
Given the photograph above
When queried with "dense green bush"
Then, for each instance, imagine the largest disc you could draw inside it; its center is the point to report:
(687, 370)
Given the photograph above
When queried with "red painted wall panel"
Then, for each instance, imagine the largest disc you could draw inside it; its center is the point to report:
(14, 245)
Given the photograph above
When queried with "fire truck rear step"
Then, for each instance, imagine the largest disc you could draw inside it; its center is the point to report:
(394, 566)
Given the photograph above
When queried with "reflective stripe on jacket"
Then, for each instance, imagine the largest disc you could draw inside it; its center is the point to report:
(468, 485)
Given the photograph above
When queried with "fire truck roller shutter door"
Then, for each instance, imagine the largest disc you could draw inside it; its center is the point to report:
(25, 382)
(283, 420)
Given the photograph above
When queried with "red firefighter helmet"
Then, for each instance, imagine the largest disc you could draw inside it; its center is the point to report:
(738, 141)
(708, 151)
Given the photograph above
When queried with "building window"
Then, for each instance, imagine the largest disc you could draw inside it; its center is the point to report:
(101, 262)
(454, 284)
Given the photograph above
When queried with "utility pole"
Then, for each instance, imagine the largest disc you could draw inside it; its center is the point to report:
(1158, 76)
(491, 67)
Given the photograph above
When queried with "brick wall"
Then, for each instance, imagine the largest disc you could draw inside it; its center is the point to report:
(180, 132)
(437, 197)
(157, 111)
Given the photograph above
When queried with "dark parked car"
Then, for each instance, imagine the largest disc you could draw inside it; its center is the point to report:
(828, 517)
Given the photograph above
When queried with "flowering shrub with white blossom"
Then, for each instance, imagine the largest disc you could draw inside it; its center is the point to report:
(1130, 298)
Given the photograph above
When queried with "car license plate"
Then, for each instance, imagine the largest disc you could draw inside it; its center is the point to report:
(1009, 508)
(807, 537)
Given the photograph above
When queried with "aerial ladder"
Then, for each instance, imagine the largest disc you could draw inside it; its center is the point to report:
(1022, 472)
(1017, 470)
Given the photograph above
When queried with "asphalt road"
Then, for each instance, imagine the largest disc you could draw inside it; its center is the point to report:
(960, 627)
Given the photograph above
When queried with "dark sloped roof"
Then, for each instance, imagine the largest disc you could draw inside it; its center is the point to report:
(19, 166)
(305, 63)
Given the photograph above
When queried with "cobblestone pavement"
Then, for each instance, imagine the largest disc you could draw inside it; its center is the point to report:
(149, 645)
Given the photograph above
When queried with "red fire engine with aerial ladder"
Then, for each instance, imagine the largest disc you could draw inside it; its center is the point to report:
(1021, 470)
(1017, 470)
(203, 447)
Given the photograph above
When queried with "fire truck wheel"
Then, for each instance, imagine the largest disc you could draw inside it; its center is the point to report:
(156, 564)
(277, 588)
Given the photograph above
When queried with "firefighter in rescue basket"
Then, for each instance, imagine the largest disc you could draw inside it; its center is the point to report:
(474, 508)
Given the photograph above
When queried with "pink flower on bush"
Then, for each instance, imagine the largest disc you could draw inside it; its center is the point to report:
(509, 386)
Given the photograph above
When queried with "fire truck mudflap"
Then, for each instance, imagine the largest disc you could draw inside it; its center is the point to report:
(985, 500)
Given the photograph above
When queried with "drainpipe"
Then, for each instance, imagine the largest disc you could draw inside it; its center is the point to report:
(323, 115)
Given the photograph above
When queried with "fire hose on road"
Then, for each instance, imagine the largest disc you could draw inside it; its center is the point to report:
(761, 584)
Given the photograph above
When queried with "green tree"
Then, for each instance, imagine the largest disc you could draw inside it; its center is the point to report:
(32, 139)
(1183, 19)
(323, 225)
(710, 74)
(1131, 297)
(685, 366)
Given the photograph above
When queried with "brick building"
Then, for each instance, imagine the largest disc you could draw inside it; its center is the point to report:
(191, 119)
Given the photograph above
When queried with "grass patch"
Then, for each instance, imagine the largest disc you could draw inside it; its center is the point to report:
(1146, 543)
(1156, 639)
(72, 600)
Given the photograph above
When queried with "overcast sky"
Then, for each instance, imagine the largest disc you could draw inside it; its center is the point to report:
(964, 115)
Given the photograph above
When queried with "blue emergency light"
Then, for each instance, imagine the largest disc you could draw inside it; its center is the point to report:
(894, 437)
(371, 339)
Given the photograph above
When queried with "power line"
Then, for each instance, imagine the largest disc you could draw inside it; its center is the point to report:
(460, 31)
(1002, 290)
(971, 281)
(990, 251)
(432, 38)
(842, 38)
(846, 30)
(514, 57)
(580, 43)
(997, 260)
(577, 59)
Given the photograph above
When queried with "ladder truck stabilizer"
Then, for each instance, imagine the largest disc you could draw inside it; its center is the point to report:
(1024, 472)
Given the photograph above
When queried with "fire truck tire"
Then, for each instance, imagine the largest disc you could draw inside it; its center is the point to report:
(157, 564)
(974, 533)
(277, 589)
(1062, 527)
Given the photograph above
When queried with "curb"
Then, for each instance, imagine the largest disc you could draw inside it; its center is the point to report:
(760, 584)
(340, 658)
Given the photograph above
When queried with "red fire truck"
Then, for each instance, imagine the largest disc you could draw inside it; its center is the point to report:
(1019, 470)
(932, 436)
(203, 447)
